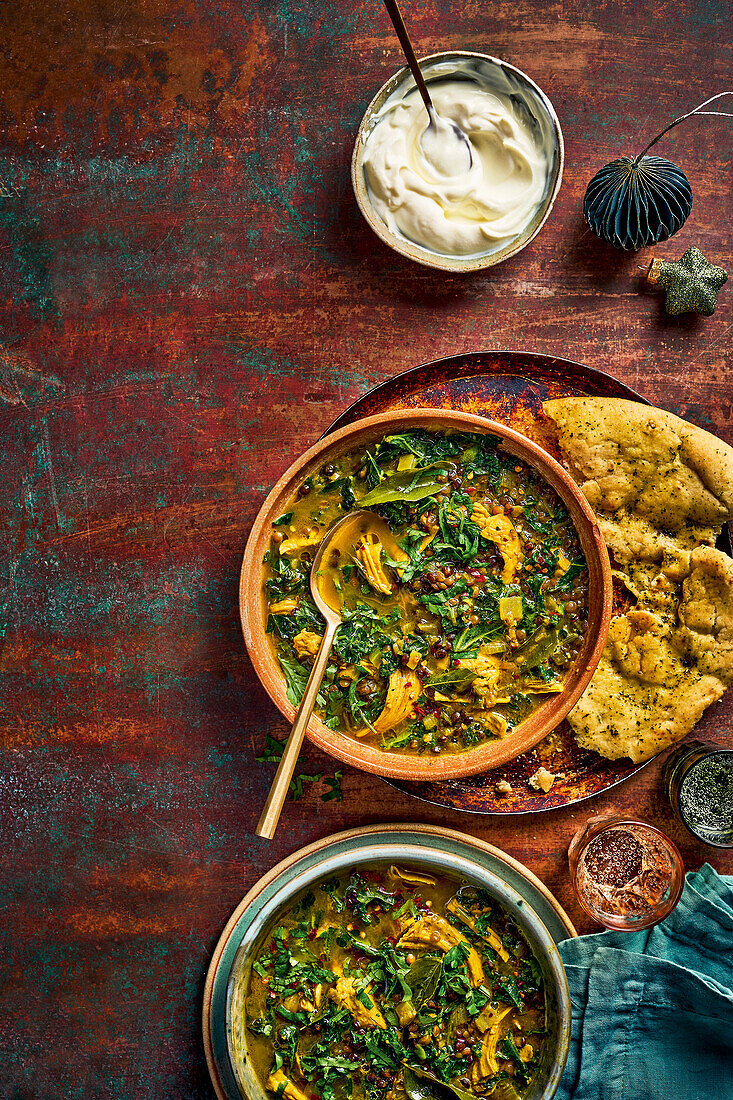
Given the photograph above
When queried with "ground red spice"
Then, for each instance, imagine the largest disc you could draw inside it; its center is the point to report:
(624, 871)
(614, 858)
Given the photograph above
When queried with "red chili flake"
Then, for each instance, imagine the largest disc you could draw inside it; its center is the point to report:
(419, 710)
(311, 933)
(456, 661)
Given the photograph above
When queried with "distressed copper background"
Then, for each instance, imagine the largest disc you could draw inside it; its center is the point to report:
(188, 297)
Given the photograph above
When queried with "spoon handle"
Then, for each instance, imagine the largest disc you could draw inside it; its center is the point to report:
(270, 816)
(397, 22)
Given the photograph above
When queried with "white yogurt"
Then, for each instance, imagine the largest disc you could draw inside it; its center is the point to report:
(443, 207)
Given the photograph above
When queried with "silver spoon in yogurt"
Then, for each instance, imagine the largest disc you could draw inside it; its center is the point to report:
(444, 144)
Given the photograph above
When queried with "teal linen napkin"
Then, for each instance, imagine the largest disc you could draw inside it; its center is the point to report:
(653, 1010)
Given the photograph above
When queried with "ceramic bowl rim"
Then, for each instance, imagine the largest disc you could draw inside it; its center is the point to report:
(415, 848)
(412, 251)
(489, 754)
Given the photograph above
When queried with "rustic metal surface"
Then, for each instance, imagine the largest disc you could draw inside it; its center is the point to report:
(188, 297)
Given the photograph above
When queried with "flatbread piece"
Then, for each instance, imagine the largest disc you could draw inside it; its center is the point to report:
(654, 481)
(661, 489)
(659, 673)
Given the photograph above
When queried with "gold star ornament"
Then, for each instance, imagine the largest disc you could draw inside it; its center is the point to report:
(691, 283)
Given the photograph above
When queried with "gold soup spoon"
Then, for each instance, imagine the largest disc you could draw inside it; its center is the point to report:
(328, 601)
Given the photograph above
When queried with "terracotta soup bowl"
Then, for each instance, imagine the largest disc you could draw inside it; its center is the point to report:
(486, 755)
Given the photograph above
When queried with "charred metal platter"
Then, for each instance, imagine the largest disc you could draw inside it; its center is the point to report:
(508, 386)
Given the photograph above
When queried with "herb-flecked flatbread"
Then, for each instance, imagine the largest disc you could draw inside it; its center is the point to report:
(654, 481)
(659, 672)
(661, 489)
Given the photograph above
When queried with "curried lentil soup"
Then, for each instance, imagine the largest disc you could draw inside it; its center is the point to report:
(464, 593)
(399, 984)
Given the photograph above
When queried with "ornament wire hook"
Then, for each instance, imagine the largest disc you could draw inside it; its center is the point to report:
(695, 111)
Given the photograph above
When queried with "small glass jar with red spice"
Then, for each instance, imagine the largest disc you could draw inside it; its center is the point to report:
(626, 874)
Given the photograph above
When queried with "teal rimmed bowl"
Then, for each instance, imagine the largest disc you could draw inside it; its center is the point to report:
(439, 850)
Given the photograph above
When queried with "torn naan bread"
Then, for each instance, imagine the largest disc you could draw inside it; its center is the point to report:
(661, 489)
(655, 482)
(706, 613)
(658, 672)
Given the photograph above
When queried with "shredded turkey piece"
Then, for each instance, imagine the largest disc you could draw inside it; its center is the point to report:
(284, 607)
(369, 555)
(307, 643)
(402, 694)
(488, 673)
(489, 935)
(296, 543)
(501, 530)
(277, 1079)
(345, 994)
(487, 1063)
(430, 930)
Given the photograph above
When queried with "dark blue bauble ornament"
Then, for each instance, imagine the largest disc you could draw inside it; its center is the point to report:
(634, 203)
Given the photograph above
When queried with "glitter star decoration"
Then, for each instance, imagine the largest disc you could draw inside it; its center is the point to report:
(691, 283)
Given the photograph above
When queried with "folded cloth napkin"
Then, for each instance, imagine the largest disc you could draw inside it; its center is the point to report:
(653, 1010)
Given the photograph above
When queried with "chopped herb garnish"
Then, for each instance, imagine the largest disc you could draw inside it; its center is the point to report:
(272, 753)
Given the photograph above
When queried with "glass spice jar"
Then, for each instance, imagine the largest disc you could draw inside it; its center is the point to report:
(626, 874)
(698, 779)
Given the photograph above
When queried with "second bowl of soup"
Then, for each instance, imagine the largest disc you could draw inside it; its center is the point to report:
(390, 969)
(474, 592)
